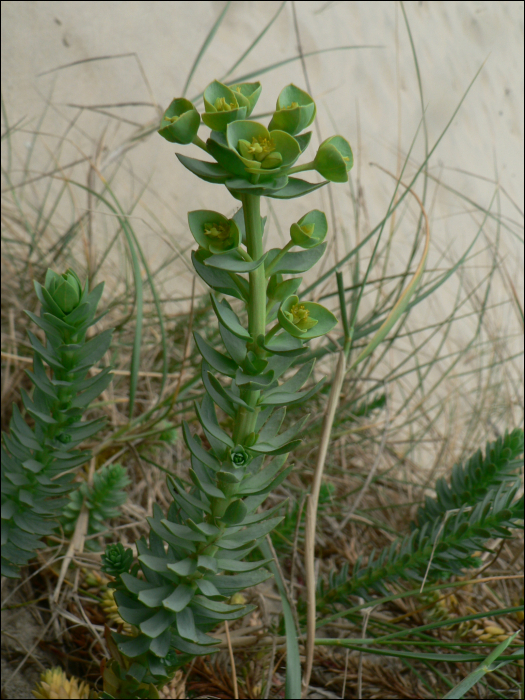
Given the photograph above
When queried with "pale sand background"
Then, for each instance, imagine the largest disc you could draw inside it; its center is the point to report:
(369, 95)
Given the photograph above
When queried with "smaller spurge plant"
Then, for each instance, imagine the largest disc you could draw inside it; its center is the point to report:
(40, 454)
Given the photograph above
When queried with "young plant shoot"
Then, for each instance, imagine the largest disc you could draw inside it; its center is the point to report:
(38, 462)
(182, 585)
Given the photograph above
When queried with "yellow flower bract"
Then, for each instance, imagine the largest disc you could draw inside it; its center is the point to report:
(301, 317)
(222, 106)
(219, 231)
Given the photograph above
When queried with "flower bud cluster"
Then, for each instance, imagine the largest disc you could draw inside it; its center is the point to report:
(246, 149)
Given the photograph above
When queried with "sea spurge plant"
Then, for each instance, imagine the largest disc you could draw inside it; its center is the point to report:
(39, 454)
(191, 571)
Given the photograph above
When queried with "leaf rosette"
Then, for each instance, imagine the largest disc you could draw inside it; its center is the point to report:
(116, 560)
(252, 153)
(295, 110)
(213, 231)
(239, 456)
(310, 230)
(62, 292)
(305, 319)
(334, 159)
(180, 122)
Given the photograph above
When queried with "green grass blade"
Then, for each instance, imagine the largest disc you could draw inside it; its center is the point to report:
(274, 66)
(377, 228)
(293, 662)
(399, 306)
(476, 675)
(204, 47)
(254, 42)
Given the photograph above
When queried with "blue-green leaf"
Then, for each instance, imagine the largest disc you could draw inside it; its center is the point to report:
(175, 483)
(156, 625)
(227, 393)
(208, 419)
(221, 363)
(229, 319)
(235, 346)
(285, 399)
(196, 449)
(218, 397)
(136, 646)
(295, 187)
(202, 482)
(297, 381)
(179, 599)
(209, 172)
(185, 567)
(291, 263)
(186, 625)
(235, 513)
(283, 344)
(219, 280)
(233, 262)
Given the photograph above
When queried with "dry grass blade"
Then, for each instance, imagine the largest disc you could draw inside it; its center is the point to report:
(311, 513)
(232, 661)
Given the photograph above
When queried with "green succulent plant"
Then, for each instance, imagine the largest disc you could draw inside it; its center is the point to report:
(38, 462)
(194, 561)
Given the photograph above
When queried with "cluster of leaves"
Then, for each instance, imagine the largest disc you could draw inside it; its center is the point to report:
(37, 462)
(481, 502)
(195, 558)
(103, 500)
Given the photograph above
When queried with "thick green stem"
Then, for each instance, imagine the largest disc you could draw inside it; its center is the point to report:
(257, 305)
(200, 143)
(301, 168)
(251, 204)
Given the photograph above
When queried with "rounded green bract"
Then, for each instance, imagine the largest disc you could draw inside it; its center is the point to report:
(334, 159)
(213, 231)
(222, 106)
(180, 122)
(295, 110)
(310, 230)
(305, 319)
(262, 152)
(247, 95)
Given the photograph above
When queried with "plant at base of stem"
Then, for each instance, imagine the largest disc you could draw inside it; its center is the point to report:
(38, 463)
(194, 562)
